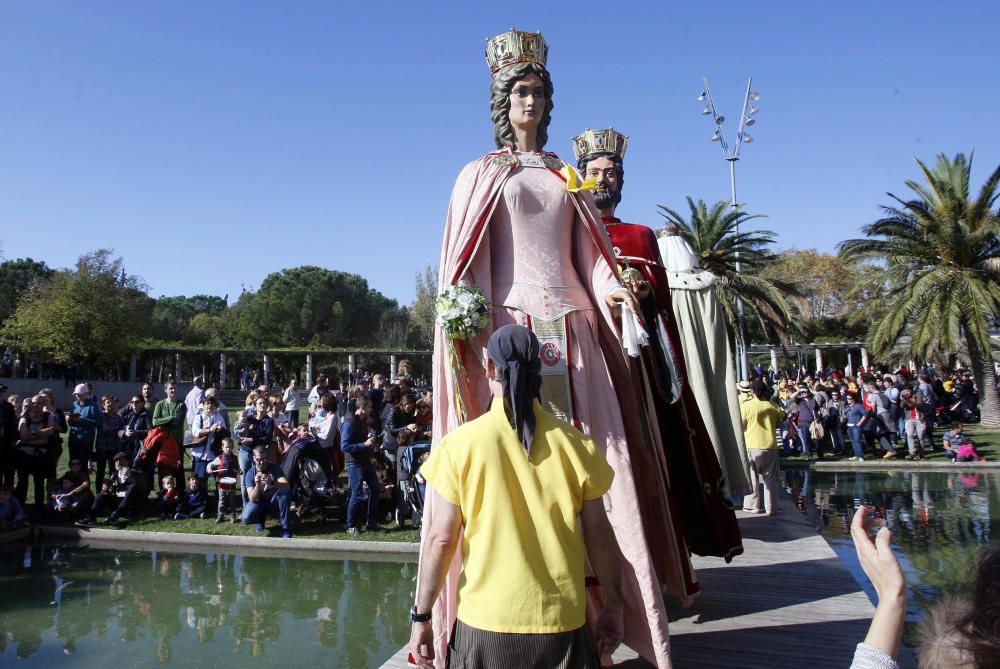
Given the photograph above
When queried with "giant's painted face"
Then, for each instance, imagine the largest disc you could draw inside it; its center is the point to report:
(609, 186)
(527, 103)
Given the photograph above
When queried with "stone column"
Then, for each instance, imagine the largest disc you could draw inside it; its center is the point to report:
(350, 365)
(774, 359)
(309, 371)
(819, 360)
(222, 371)
(132, 367)
(864, 358)
(392, 367)
(267, 370)
(177, 367)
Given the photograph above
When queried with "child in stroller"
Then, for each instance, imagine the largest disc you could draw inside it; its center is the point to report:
(307, 468)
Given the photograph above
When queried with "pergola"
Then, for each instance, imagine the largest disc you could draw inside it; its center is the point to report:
(267, 356)
(818, 348)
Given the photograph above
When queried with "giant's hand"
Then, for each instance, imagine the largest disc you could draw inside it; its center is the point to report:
(421, 645)
(619, 296)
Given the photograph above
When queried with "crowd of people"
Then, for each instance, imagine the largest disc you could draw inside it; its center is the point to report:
(874, 413)
(186, 457)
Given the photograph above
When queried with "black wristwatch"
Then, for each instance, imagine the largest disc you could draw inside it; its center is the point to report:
(419, 617)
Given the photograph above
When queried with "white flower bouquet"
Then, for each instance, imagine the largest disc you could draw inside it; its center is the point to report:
(462, 311)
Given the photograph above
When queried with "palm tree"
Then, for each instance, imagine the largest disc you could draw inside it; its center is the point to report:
(712, 234)
(941, 280)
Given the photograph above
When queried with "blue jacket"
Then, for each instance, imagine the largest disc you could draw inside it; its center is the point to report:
(353, 436)
(84, 430)
(855, 414)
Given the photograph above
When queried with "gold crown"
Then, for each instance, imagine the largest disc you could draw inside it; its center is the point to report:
(515, 47)
(600, 141)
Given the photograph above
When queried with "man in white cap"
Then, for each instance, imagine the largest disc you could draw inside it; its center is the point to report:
(83, 421)
(745, 391)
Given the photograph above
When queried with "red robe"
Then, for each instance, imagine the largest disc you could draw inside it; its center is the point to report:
(693, 472)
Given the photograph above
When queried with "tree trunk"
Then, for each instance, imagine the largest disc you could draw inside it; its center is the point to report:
(982, 368)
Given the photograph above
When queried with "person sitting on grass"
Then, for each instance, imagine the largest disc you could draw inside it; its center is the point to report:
(121, 495)
(967, 453)
(11, 512)
(64, 501)
(169, 499)
(267, 493)
(226, 470)
(72, 494)
(193, 501)
(959, 447)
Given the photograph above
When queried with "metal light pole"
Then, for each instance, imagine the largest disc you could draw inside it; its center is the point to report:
(732, 155)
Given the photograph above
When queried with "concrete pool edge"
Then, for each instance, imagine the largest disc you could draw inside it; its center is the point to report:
(328, 547)
(901, 463)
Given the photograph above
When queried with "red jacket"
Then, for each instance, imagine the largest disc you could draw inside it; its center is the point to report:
(160, 442)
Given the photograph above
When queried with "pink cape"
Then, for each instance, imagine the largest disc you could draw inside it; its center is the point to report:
(651, 555)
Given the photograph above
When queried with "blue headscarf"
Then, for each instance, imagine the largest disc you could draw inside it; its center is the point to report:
(514, 351)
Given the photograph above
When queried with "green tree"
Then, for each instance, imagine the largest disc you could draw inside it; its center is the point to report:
(712, 234)
(941, 280)
(422, 310)
(312, 306)
(16, 277)
(95, 313)
(173, 317)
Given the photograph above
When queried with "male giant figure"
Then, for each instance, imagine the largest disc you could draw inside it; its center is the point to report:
(692, 468)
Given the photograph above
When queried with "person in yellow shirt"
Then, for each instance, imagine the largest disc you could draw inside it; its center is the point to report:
(522, 491)
(760, 421)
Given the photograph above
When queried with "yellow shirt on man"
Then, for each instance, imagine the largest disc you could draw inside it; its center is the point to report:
(522, 549)
(761, 419)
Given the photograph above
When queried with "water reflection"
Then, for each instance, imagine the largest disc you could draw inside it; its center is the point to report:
(939, 521)
(198, 610)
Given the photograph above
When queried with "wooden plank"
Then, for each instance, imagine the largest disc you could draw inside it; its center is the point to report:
(788, 601)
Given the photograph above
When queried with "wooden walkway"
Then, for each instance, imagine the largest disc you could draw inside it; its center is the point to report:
(788, 601)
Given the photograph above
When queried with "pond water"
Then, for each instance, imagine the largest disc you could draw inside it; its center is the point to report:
(939, 520)
(84, 607)
(88, 607)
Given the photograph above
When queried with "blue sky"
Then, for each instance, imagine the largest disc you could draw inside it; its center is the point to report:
(212, 143)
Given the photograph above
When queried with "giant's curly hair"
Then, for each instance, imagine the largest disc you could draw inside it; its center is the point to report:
(503, 83)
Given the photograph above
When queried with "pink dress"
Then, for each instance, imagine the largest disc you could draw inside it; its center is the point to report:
(539, 252)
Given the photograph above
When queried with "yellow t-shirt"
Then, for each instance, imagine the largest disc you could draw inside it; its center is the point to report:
(523, 552)
(761, 419)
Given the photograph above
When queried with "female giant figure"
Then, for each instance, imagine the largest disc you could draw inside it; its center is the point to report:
(535, 246)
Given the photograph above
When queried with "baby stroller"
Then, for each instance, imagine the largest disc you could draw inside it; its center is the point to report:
(954, 412)
(412, 486)
(307, 468)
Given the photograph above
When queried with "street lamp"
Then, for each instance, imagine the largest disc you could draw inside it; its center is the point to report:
(732, 155)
